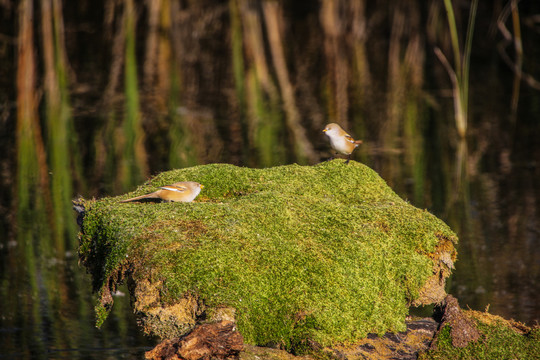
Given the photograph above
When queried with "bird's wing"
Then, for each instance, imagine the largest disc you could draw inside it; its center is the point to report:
(178, 188)
(349, 138)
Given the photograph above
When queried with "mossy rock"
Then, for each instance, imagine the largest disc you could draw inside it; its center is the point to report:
(499, 339)
(323, 254)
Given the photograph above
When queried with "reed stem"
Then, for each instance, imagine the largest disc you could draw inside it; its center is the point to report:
(134, 156)
(459, 75)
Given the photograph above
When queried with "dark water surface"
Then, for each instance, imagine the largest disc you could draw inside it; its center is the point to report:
(56, 320)
(178, 83)
(495, 216)
(498, 264)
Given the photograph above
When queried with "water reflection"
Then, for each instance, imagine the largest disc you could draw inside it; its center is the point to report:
(499, 255)
(48, 306)
(47, 311)
(495, 214)
(282, 74)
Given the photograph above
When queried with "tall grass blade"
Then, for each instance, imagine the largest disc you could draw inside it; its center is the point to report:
(460, 74)
(467, 55)
(452, 25)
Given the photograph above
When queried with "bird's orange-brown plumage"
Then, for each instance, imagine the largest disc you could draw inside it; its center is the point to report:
(340, 141)
(184, 191)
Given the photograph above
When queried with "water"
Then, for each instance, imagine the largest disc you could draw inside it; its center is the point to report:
(55, 319)
(498, 267)
(391, 91)
(499, 264)
(495, 214)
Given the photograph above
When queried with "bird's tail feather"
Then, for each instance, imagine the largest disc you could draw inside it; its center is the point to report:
(147, 196)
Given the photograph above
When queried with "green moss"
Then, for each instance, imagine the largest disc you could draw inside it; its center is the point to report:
(328, 252)
(499, 340)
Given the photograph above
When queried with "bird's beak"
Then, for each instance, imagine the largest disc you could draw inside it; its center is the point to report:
(325, 130)
(202, 186)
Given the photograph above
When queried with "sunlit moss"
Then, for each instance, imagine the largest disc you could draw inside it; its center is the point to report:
(500, 339)
(326, 252)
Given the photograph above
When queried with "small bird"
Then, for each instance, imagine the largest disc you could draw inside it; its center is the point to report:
(340, 141)
(183, 191)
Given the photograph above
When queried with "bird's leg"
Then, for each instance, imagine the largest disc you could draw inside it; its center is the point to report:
(348, 159)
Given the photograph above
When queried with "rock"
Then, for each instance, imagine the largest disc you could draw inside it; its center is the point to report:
(297, 256)
(251, 352)
(470, 334)
(463, 330)
(218, 340)
(404, 345)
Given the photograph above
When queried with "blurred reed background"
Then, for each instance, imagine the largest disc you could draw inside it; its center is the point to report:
(97, 96)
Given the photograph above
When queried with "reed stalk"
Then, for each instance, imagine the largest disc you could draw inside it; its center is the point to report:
(239, 74)
(33, 201)
(359, 37)
(414, 104)
(164, 48)
(392, 125)
(154, 9)
(133, 165)
(268, 130)
(58, 119)
(303, 148)
(361, 79)
(265, 119)
(518, 47)
(62, 157)
(109, 142)
(237, 53)
(333, 25)
(254, 41)
(181, 153)
(459, 75)
(117, 54)
(413, 140)
(396, 82)
(33, 193)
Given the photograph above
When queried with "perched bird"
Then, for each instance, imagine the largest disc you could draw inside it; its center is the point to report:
(184, 191)
(340, 141)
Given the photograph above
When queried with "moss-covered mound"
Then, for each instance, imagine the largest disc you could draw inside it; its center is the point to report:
(326, 253)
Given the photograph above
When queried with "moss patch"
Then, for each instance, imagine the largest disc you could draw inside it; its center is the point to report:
(500, 339)
(326, 252)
